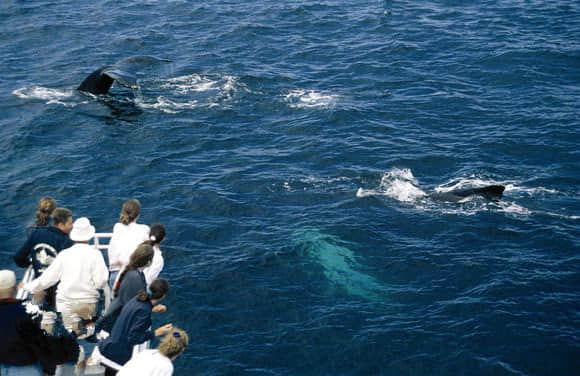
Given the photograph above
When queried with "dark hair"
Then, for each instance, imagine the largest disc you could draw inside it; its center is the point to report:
(46, 206)
(157, 233)
(140, 257)
(157, 290)
(61, 216)
(130, 211)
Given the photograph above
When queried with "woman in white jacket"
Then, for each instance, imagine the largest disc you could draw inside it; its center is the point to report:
(127, 235)
(158, 362)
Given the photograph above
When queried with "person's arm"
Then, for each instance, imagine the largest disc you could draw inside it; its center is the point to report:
(100, 271)
(49, 278)
(22, 257)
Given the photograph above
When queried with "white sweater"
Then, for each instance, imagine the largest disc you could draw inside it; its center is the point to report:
(147, 363)
(124, 241)
(152, 271)
(81, 271)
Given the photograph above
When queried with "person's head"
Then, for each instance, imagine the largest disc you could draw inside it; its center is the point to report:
(62, 219)
(157, 233)
(141, 256)
(156, 292)
(174, 343)
(7, 284)
(130, 211)
(46, 206)
(82, 230)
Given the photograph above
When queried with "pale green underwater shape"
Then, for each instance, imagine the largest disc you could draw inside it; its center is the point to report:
(339, 264)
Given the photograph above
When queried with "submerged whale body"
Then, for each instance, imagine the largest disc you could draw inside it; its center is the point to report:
(100, 81)
(490, 192)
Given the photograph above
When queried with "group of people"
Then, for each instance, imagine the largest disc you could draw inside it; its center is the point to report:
(70, 275)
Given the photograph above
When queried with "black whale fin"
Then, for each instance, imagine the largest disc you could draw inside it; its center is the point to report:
(491, 192)
(100, 81)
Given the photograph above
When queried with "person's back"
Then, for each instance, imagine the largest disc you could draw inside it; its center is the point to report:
(127, 235)
(82, 273)
(15, 326)
(133, 282)
(125, 240)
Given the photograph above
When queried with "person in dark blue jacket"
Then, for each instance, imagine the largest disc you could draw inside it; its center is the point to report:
(24, 348)
(42, 246)
(133, 326)
(130, 282)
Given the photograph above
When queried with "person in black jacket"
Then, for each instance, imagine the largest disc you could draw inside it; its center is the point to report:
(42, 246)
(24, 347)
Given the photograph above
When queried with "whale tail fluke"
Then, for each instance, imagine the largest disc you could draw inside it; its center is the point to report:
(100, 81)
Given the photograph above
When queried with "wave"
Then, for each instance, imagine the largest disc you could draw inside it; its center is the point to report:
(300, 98)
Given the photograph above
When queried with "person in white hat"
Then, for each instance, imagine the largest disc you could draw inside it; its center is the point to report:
(80, 269)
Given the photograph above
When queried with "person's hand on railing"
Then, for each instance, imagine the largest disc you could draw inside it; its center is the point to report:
(163, 330)
(160, 308)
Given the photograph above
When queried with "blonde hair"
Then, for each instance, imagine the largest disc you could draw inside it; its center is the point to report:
(46, 206)
(174, 343)
(130, 211)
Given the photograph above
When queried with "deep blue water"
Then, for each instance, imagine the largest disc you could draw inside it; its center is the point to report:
(287, 148)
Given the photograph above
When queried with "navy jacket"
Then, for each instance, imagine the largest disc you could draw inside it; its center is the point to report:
(42, 246)
(133, 326)
(133, 282)
(23, 342)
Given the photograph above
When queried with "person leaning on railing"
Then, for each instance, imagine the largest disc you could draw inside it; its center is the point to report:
(132, 327)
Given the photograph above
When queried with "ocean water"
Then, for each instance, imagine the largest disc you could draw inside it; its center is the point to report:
(289, 148)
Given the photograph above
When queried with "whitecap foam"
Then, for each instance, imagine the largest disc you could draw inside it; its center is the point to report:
(300, 98)
(511, 187)
(197, 83)
(396, 183)
(51, 96)
(167, 105)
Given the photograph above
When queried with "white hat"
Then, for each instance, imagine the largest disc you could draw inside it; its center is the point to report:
(82, 230)
(7, 279)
